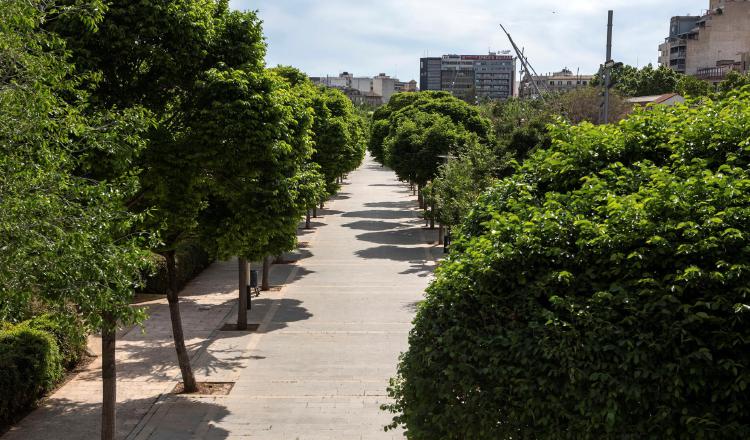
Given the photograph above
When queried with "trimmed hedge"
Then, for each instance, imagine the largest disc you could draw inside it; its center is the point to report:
(601, 292)
(191, 259)
(69, 334)
(30, 366)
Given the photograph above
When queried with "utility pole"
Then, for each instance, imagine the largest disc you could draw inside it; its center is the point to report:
(608, 68)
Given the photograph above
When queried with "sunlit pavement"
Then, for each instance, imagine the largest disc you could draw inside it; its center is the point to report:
(319, 364)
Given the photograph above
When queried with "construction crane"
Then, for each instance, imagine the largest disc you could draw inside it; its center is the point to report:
(526, 65)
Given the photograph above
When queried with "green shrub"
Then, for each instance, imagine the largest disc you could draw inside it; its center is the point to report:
(30, 365)
(191, 259)
(601, 292)
(69, 334)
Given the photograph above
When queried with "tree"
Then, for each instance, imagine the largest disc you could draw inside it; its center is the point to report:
(338, 135)
(66, 239)
(691, 86)
(380, 126)
(630, 81)
(598, 292)
(461, 180)
(584, 105)
(261, 131)
(733, 83)
(151, 54)
(311, 182)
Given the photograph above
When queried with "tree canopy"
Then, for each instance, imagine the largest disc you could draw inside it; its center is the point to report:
(598, 292)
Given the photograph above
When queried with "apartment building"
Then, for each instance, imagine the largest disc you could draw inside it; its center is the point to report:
(374, 91)
(557, 82)
(470, 77)
(712, 44)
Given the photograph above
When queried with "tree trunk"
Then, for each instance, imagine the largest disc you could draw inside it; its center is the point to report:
(321, 205)
(413, 189)
(420, 197)
(441, 232)
(244, 302)
(315, 212)
(173, 297)
(307, 220)
(266, 274)
(109, 377)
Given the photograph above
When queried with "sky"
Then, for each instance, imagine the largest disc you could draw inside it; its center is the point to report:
(327, 37)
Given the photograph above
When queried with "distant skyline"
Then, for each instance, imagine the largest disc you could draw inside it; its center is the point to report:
(327, 37)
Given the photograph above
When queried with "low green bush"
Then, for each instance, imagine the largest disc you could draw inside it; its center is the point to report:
(601, 292)
(69, 334)
(30, 366)
(191, 259)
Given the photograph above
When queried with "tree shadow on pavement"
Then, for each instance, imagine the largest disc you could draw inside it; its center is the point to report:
(63, 419)
(374, 225)
(395, 253)
(404, 237)
(380, 214)
(405, 204)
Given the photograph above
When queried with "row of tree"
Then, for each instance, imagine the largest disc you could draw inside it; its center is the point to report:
(126, 128)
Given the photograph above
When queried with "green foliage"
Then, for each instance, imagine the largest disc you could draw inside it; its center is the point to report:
(599, 292)
(733, 83)
(66, 238)
(30, 365)
(461, 181)
(69, 333)
(338, 135)
(648, 81)
(380, 126)
(260, 131)
(191, 258)
(690, 86)
(423, 129)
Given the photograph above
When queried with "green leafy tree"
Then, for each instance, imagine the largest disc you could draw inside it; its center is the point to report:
(647, 81)
(598, 292)
(67, 239)
(261, 130)
(691, 86)
(733, 83)
(380, 125)
(338, 134)
(151, 54)
(462, 180)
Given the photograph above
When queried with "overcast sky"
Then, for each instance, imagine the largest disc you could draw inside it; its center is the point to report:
(326, 37)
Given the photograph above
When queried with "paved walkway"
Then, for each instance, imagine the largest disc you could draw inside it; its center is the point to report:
(318, 366)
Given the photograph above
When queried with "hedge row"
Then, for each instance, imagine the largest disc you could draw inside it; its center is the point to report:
(601, 292)
(191, 259)
(33, 358)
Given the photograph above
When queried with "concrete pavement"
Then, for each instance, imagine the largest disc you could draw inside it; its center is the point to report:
(319, 364)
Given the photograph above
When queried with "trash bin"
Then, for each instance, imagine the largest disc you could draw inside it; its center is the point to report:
(253, 279)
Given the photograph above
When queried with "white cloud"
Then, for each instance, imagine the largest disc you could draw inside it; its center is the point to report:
(327, 37)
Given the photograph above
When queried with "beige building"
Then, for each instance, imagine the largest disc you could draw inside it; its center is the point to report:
(562, 81)
(374, 91)
(710, 45)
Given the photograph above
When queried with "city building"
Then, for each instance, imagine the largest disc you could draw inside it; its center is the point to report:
(562, 81)
(710, 45)
(470, 77)
(373, 91)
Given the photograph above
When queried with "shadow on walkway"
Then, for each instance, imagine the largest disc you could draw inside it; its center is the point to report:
(394, 253)
(71, 420)
(380, 214)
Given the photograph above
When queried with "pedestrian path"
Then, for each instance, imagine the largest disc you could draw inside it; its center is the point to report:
(317, 367)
